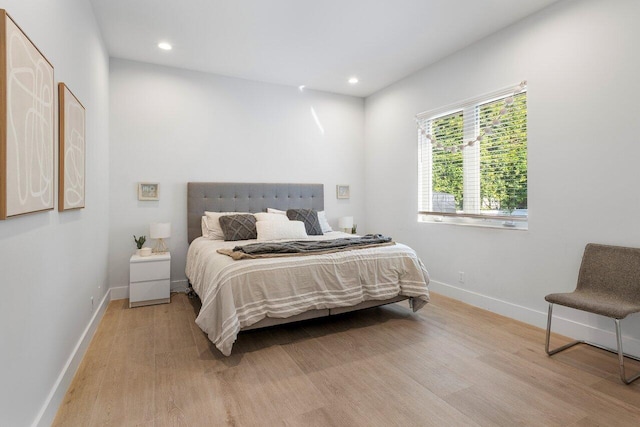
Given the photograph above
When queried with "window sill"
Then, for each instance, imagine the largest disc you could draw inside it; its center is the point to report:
(474, 222)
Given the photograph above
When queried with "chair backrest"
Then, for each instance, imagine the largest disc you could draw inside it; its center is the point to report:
(611, 270)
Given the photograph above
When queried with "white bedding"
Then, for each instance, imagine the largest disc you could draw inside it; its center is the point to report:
(237, 294)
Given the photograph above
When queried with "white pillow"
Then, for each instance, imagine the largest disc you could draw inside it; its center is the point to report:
(276, 230)
(213, 224)
(264, 216)
(203, 226)
(322, 218)
(276, 211)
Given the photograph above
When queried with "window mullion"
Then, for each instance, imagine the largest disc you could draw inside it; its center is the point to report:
(426, 159)
(471, 162)
(429, 177)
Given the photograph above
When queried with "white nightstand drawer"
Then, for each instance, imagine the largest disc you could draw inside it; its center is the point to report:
(149, 279)
(154, 270)
(150, 292)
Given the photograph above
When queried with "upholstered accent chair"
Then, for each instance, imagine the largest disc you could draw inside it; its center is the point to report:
(608, 285)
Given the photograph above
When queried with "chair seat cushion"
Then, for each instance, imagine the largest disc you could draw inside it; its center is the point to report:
(598, 303)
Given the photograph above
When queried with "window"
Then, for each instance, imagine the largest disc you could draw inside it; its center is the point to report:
(473, 159)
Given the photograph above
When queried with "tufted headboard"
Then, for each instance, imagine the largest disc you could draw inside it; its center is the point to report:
(247, 197)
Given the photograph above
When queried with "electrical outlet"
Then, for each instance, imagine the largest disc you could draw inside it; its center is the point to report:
(461, 276)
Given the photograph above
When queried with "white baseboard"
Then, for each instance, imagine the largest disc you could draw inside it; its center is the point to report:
(561, 325)
(48, 411)
(179, 285)
(120, 292)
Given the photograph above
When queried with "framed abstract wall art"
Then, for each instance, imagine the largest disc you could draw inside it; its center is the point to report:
(27, 140)
(148, 191)
(342, 192)
(71, 161)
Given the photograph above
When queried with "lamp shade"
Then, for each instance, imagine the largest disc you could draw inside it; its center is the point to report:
(345, 222)
(160, 230)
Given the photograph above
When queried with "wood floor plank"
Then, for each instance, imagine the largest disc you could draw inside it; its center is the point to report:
(489, 407)
(597, 421)
(595, 361)
(267, 386)
(383, 395)
(172, 328)
(614, 388)
(126, 393)
(448, 364)
(134, 318)
(556, 366)
(428, 368)
(334, 415)
(87, 381)
(561, 388)
(183, 395)
(312, 356)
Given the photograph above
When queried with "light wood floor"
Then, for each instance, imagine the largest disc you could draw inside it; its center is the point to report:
(450, 364)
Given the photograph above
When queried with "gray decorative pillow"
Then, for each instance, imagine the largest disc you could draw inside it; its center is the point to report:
(239, 227)
(310, 219)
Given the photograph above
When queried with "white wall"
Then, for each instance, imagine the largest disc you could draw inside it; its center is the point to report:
(581, 62)
(52, 263)
(174, 126)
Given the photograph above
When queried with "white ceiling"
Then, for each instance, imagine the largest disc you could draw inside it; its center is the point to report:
(317, 43)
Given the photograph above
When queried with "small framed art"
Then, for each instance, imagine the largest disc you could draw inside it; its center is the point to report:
(148, 191)
(342, 191)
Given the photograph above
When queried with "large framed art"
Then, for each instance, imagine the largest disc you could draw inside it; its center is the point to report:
(27, 138)
(71, 163)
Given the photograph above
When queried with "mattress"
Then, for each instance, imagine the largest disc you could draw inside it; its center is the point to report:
(237, 294)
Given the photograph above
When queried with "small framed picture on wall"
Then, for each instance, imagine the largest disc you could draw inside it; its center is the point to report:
(148, 191)
(342, 191)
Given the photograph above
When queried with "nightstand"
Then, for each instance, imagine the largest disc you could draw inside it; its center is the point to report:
(149, 279)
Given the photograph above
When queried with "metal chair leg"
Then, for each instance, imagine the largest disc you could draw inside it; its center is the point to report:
(619, 351)
(548, 338)
(623, 377)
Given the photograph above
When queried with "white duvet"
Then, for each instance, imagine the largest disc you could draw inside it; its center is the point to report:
(237, 294)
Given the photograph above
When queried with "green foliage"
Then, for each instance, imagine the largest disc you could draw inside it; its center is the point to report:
(503, 156)
(139, 241)
(447, 167)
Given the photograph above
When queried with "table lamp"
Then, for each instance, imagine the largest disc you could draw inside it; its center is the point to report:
(346, 224)
(160, 231)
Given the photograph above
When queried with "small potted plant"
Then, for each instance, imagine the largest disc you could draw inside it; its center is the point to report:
(139, 242)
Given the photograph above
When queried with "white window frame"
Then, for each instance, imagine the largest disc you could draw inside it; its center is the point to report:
(471, 214)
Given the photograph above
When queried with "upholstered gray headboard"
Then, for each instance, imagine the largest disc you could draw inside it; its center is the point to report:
(247, 197)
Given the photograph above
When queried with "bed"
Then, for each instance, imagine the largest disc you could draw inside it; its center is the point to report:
(255, 293)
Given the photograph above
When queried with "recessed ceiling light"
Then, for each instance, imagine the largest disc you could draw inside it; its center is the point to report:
(301, 87)
(353, 80)
(164, 46)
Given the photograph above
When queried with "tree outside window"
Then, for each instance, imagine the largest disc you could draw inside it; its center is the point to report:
(473, 159)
